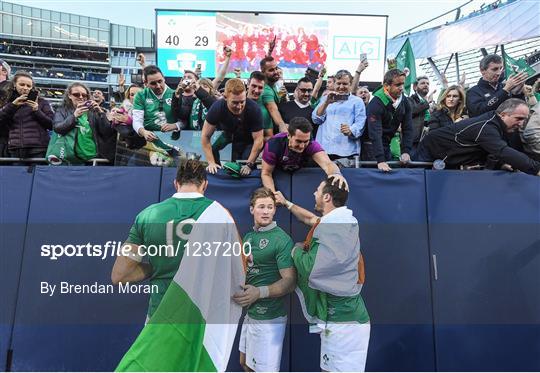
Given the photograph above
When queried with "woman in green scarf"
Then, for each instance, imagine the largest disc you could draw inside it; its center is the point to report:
(94, 137)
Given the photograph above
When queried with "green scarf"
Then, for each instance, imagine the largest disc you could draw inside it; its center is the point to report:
(196, 113)
(85, 146)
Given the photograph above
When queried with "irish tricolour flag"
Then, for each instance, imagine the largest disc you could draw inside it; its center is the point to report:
(193, 328)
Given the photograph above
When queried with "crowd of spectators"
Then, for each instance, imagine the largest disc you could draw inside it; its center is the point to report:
(52, 51)
(65, 73)
(484, 126)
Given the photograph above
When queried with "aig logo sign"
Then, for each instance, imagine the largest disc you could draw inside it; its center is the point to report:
(350, 47)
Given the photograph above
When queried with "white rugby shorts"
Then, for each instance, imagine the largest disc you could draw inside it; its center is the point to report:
(262, 342)
(344, 347)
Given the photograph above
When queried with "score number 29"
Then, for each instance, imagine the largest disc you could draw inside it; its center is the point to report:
(200, 41)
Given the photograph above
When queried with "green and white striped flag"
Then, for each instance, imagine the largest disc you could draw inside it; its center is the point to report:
(194, 326)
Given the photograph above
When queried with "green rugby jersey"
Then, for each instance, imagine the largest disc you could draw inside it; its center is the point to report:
(269, 94)
(271, 249)
(165, 223)
(267, 119)
(331, 263)
(147, 101)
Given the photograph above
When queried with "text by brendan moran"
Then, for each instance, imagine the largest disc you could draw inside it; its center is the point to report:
(65, 287)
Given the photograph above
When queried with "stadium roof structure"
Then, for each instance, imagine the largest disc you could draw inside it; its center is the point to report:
(457, 47)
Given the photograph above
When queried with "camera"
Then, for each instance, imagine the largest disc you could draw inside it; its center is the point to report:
(186, 82)
(312, 74)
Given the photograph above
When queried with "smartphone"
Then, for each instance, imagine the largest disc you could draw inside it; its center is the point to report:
(199, 66)
(32, 95)
(363, 56)
(312, 74)
(88, 103)
(344, 97)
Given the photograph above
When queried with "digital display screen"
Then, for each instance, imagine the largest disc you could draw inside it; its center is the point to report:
(188, 39)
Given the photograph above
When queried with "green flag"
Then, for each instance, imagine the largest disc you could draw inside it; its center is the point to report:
(512, 66)
(405, 59)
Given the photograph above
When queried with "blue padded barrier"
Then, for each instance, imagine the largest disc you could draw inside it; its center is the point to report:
(15, 189)
(78, 331)
(484, 230)
(485, 235)
(391, 211)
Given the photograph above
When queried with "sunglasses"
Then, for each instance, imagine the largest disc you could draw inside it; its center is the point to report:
(305, 90)
(79, 95)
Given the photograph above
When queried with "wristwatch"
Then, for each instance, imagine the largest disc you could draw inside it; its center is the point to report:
(251, 165)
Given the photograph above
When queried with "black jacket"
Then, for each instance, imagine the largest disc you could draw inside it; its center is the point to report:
(27, 128)
(439, 118)
(182, 112)
(470, 141)
(483, 98)
(418, 108)
(4, 130)
(383, 121)
(104, 135)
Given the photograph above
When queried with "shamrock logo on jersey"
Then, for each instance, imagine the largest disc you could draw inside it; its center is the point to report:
(325, 359)
(263, 243)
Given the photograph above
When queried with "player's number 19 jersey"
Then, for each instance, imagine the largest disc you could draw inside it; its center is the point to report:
(163, 229)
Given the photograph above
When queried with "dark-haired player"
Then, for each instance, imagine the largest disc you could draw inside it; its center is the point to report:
(291, 151)
(330, 277)
(167, 223)
(192, 318)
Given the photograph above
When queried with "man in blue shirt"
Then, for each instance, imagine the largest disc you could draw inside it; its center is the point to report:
(341, 118)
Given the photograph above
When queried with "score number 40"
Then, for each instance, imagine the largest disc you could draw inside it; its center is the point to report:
(200, 41)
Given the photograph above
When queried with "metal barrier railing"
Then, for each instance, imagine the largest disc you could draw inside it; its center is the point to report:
(354, 163)
(350, 163)
(396, 164)
(93, 162)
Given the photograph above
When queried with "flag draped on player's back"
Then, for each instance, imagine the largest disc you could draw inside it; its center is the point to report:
(330, 272)
(194, 326)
